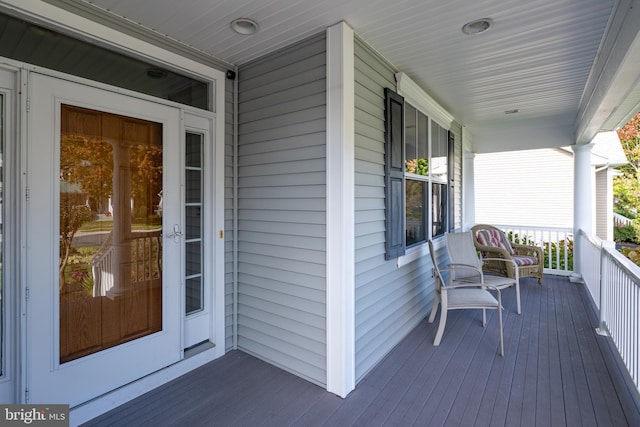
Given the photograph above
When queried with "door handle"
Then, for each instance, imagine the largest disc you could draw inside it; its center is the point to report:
(176, 235)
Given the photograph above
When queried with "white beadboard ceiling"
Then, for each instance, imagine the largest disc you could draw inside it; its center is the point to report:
(536, 58)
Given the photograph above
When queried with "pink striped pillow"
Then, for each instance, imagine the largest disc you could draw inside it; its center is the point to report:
(494, 238)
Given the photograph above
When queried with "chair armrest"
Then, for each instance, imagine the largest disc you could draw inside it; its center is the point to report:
(528, 250)
(471, 285)
(510, 261)
(493, 250)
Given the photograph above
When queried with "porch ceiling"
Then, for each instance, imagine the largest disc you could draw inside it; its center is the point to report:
(548, 59)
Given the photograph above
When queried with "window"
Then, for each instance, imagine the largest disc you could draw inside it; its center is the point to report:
(423, 210)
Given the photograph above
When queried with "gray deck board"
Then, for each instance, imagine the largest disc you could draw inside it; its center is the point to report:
(556, 372)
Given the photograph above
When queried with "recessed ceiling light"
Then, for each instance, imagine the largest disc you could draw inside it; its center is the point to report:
(478, 26)
(244, 26)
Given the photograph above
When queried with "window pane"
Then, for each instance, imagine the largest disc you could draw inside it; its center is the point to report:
(439, 153)
(27, 42)
(439, 209)
(415, 211)
(410, 138)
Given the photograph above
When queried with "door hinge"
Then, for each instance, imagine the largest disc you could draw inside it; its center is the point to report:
(26, 395)
(28, 105)
(26, 294)
(26, 194)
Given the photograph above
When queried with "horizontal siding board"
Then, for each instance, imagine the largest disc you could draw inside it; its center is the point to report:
(302, 92)
(299, 179)
(284, 252)
(294, 217)
(311, 230)
(285, 131)
(295, 142)
(290, 192)
(288, 55)
(290, 81)
(245, 256)
(301, 166)
(302, 341)
(314, 329)
(253, 284)
(301, 204)
(279, 119)
(296, 242)
(283, 276)
(284, 301)
(297, 68)
(283, 156)
(286, 107)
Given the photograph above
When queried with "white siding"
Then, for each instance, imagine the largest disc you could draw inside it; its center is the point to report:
(530, 187)
(281, 259)
(604, 204)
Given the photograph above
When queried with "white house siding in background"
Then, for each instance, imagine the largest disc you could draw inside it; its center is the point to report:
(529, 187)
(604, 209)
(282, 213)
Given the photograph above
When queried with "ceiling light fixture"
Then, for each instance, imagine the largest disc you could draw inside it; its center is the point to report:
(244, 26)
(478, 26)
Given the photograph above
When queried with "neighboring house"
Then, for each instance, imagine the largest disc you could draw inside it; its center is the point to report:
(535, 187)
(284, 172)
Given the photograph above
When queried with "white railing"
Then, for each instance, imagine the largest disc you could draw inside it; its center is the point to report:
(621, 220)
(615, 289)
(145, 264)
(557, 243)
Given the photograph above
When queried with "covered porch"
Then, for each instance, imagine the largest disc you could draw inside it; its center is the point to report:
(556, 371)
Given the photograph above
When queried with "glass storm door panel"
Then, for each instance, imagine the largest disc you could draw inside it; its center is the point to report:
(104, 240)
(110, 230)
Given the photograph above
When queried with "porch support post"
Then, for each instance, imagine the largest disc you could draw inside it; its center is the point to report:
(582, 203)
(340, 302)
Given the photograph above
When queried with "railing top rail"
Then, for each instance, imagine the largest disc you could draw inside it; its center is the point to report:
(533, 228)
(632, 270)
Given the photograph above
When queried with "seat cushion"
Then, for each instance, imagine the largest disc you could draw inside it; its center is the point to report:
(470, 298)
(523, 260)
(495, 238)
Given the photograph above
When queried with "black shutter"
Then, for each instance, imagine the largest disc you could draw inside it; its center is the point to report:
(394, 174)
(451, 157)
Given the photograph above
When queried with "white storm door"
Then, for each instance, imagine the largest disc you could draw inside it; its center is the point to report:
(104, 239)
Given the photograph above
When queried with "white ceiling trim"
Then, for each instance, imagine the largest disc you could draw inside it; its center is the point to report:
(420, 99)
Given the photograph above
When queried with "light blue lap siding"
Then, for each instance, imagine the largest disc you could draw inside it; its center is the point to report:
(282, 209)
(390, 301)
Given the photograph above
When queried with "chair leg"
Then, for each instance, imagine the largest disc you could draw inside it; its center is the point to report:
(518, 297)
(484, 317)
(443, 321)
(434, 309)
(501, 337)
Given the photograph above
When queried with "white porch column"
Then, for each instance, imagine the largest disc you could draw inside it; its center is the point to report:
(582, 202)
(468, 190)
(340, 298)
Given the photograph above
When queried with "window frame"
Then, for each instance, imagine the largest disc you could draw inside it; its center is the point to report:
(422, 102)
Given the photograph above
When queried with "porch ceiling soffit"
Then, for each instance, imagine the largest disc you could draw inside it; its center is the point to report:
(612, 93)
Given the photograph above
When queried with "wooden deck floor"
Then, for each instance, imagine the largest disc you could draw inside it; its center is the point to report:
(556, 372)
